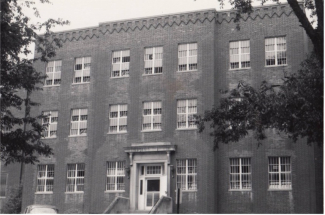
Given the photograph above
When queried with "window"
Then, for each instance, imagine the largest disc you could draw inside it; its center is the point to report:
(186, 109)
(279, 173)
(151, 116)
(240, 174)
(3, 184)
(53, 72)
(50, 122)
(186, 174)
(239, 54)
(121, 63)
(275, 51)
(79, 122)
(115, 175)
(82, 70)
(153, 60)
(187, 57)
(45, 178)
(75, 177)
(118, 118)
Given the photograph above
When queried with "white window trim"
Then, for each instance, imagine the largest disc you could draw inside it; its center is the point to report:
(75, 177)
(275, 53)
(240, 176)
(239, 55)
(6, 185)
(115, 176)
(49, 124)
(151, 118)
(82, 73)
(186, 113)
(79, 121)
(187, 59)
(280, 186)
(187, 174)
(118, 119)
(120, 70)
(52, 74)
(45, 179)
(153, 61)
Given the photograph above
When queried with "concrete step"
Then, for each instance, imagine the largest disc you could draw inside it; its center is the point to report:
(133, 212)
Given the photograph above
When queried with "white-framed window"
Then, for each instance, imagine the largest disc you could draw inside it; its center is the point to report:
(240, 174)
(151, 116)
(115, 176)
(118, 118)
(3, 184)
(82, 70)
(120, 63)
(45, 178)
(186, 110)
(187, 57)
(279, 173)
(239, 54)
(75, 177)
(186, 173)
(275, 51)
(153, 60)
(78, 122)
(53, 72)
(50, 122)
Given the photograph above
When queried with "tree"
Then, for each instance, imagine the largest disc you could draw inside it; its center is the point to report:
(12, 204)
(21, 135)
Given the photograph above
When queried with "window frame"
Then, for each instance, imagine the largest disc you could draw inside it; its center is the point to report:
(278, 173)
(152, 115)
(75, 177)
(82, 70)
(118, 118)
(186, 115)
(276, 63)
(241, 174)
(45, 178)
(153, 60)
(49, 123)
(121, 63)
(240, 54)
(5, 185)
(187, 174)
(187, 57)
(115, 176)
(79, 122)
(53, 73)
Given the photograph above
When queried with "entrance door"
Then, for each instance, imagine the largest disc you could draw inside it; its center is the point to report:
(152, 193)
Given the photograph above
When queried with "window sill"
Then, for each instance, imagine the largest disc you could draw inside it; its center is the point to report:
(185, 129)
(80, 83)
(117, 132)
(152, 74)
(187, 191)
(271, 66)
(284, 189)
(77, 135)
(119, 77)
(114, 191)
(248, 68)
(187, 71)
(78, 192)
(48, 138)
(145, 131)
(49, 86)
(41, 193)
(239, 190)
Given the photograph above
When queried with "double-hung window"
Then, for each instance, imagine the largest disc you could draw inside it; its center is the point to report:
(275, 51)
(153, 60)
(53, 72)
(118, 118)
(45, 178)
(151, 116)
(279, 173)
(240, 174)
(79, 122)
(75, 177)
(186, 172)
(187, 57)
(239, 54)
(115, 176)
(50, 123)
(120, 63)
(3, 184)
(82, 70)
(186, 111)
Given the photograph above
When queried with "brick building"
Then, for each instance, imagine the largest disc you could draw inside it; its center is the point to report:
(120, 99)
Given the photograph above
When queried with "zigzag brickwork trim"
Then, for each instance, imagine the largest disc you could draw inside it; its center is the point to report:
(209, 15)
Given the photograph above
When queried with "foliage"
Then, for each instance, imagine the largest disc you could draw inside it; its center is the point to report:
(295, 108)
(20, 136)
(12, 204)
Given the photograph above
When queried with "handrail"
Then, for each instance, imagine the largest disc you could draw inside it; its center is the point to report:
(162, 199)
(112, 207)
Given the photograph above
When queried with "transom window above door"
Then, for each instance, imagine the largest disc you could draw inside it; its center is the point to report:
(151, 170)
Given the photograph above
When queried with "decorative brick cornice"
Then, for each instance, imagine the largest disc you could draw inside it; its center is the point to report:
(209, 15)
